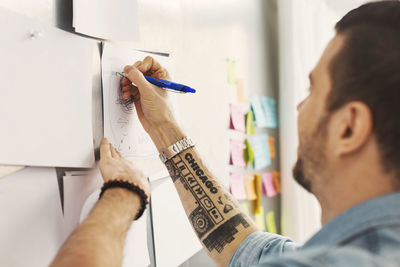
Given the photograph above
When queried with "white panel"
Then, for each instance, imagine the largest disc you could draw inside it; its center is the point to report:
(31, 218)
(45, 103)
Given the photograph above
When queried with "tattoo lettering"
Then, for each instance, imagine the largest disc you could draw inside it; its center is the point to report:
(200, 173)
(224, 234)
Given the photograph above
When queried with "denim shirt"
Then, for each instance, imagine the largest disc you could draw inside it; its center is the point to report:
(365, 235)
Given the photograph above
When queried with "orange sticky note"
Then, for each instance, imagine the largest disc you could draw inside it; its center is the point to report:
(250, 187)
(241, 93)
(277, 181)
(271, 141)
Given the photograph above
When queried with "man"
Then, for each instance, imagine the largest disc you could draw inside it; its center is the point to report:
(348, 158)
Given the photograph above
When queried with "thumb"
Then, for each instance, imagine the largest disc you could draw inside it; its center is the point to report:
(136, 77)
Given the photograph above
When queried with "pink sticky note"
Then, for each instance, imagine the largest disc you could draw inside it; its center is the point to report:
(237, 153)
(237, 185)
(268, 184)
(237, 118)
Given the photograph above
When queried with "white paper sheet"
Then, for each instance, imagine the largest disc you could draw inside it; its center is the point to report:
(31, 217)
(174, 237)
(45, 96)
(112, 20)
(122, 126)
(77, 188)
(136, 253)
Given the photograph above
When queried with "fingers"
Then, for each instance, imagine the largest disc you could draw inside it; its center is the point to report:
(114, 152)
(149, 64)
(125, 82)
(129, 90)
(105, 152)
(136, 77)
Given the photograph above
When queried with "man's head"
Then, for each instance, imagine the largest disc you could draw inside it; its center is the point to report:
(351, 113)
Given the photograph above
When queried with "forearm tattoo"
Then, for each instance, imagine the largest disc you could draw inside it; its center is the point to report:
(213, 221)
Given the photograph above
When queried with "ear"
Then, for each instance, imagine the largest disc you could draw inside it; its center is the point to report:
(353, 123)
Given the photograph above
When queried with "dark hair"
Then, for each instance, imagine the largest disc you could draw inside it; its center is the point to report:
(367, 69)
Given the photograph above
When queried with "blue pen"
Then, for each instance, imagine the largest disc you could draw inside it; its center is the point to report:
(176, 87)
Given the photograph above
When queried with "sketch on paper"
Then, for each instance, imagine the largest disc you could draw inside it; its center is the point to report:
(121, 123)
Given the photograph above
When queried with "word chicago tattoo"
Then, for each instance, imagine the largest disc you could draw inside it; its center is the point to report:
(200, 173)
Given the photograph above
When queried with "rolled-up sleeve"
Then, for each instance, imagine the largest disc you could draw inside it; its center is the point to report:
(260, 244)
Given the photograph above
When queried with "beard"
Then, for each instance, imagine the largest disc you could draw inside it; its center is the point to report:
(311, 160)
(299, 176)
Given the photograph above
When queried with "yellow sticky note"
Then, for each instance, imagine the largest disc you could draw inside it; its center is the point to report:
(250, 187)
(271, 226)
(231, 71)
(259, 217)
(257, 185)
(277, 181)
(241, 93)
(245, 207)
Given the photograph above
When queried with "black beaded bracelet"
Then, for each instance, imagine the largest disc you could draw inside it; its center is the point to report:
(131, 187)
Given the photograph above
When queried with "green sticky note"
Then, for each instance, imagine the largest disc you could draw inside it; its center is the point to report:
(259, 216)
(250, 123)
(231, 71)
(271, 226)
(248, 153)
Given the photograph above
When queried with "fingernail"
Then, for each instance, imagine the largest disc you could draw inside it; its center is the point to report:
(127, 69)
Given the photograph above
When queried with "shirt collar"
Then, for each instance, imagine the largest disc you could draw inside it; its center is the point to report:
(375, 212)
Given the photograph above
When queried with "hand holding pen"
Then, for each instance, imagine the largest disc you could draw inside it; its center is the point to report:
(150, 100)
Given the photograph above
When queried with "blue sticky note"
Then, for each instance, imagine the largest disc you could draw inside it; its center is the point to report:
(258, 111)
(260, 147)
(269, 108)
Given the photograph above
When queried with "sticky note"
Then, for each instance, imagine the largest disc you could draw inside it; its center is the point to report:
(259, 218)
(259, 114)
(231, 68)
(271, 226)
(240, 91)
(277, 181)
(248, 153)
(237, 185)
(269, 109)
(237, 118)
(261, 151)
(257, 185)
(245, 207)
(250, 187)
(272, 151)
(249, 117)
(268, 184)
(237, 153)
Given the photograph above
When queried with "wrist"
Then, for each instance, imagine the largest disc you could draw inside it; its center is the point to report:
(124, 199)
(165, 135)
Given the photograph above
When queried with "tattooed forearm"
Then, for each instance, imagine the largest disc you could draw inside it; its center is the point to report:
(216, 218)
